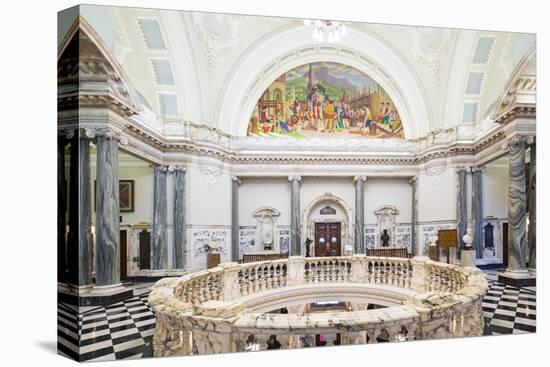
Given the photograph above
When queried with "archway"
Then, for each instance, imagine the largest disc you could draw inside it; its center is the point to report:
(325, 209)
(269, 58)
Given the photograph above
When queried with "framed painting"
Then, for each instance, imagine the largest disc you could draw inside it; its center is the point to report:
(126, 195)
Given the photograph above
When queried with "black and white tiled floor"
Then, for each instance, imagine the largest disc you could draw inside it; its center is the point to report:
(507, 309)
(124, 330)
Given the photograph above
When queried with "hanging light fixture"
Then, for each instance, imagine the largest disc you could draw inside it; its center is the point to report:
(326, 30)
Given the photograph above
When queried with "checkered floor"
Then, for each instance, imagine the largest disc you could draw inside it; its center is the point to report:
(124, 330)
(507, 309)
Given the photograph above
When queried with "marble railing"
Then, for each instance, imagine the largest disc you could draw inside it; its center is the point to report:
(215, 308)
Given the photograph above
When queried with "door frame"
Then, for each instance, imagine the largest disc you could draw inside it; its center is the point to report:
(327, 221)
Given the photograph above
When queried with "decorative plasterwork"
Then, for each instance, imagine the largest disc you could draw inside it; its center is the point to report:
(266, 228)
(218, 42)
(385, 220)
(519, 97)
(89, 76)
(427, 45)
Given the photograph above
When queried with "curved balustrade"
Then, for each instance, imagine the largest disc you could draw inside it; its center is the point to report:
(210, 307)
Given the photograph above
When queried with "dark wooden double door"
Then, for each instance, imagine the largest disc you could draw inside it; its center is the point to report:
(328, 239)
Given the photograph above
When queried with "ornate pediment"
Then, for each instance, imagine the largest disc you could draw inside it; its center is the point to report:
(89, 76)
(519, 99)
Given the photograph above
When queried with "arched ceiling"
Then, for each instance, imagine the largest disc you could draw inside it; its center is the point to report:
(201, 66)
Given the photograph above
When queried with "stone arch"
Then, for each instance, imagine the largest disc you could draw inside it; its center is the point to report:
(279, 52)
(308, 220)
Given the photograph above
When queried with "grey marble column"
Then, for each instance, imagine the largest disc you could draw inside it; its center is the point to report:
(477, 210)
(295, 232)
(517, 206)
(359, 243)
(235, 182)
(532, 230)
(85, 244)
(461, 208)
(180, 234)
(417, 248)
(61, 209)
(73, 261)
(107, 213)
(159, 250)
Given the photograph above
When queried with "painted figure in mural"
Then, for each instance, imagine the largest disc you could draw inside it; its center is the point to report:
(266, 128)
(386, 114)
(326, 97)
(281, 124)
(329, 116)
(254, 125)
(368, 120)
(385, 238)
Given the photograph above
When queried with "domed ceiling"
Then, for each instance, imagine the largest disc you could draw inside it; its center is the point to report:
(214, 69)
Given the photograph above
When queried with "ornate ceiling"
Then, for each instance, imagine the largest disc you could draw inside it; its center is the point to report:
(212, 68)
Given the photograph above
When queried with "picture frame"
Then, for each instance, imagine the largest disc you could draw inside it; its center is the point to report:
(126, 195)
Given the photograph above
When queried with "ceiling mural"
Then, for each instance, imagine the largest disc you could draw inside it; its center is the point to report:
(325, 99)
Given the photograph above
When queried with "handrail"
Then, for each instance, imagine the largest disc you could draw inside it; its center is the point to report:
(207, 304)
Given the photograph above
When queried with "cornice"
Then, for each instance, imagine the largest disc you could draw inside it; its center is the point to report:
(212, 146)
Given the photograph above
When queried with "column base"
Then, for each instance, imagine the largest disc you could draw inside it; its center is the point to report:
(517, 278)
(94, 295)
(468, 258)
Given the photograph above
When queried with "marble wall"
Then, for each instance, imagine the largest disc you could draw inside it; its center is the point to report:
(199, 236)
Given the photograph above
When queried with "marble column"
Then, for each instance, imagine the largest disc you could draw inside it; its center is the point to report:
(180, 234)
(107, 212)
(159, 258)
(72, 236)
(417, 247)
(532, 229)
(295, 232)
(477, 210)
(517, 206)
(461, 208)
(235, 182)
(61, 209)
(85, 243)
(359, 244)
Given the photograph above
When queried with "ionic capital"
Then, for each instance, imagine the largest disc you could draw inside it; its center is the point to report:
(295, 178)
(357, 178)
(236, 179)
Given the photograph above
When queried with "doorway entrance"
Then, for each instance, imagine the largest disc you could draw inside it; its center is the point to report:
(328, 239)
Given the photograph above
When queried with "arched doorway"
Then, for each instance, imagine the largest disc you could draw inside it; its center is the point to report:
(327, 222)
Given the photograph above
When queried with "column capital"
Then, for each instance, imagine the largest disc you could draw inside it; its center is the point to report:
(518, 139)
(236, 179)
(109, 133)
(174, 168)
(295, 177)
(359, 178)
(161, 168)
(413, 180)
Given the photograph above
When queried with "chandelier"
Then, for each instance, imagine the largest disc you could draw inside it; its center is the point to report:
(326, 30)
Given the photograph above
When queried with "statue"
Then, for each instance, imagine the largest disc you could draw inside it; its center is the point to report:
(385, 238)
(308, 246)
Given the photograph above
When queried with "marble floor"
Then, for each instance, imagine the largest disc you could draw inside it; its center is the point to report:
(125, 329)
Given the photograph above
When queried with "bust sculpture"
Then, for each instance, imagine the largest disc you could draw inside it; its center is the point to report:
(385, 238)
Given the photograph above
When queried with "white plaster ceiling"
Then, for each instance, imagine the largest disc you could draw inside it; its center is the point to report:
(213, 67)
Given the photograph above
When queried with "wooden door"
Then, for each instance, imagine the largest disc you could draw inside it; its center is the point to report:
(144, 249)
(123, 254)
(505, 245)
(328, 239)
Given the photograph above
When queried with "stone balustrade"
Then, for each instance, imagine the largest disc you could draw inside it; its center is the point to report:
(217, 310)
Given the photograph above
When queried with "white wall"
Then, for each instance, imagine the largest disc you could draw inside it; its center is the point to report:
(437, 195)
(495, 191)
(257, 192)
(208, 196)
(388, 191)
(313, 187)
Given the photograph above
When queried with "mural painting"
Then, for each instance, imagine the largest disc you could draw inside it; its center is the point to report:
(325, 99)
